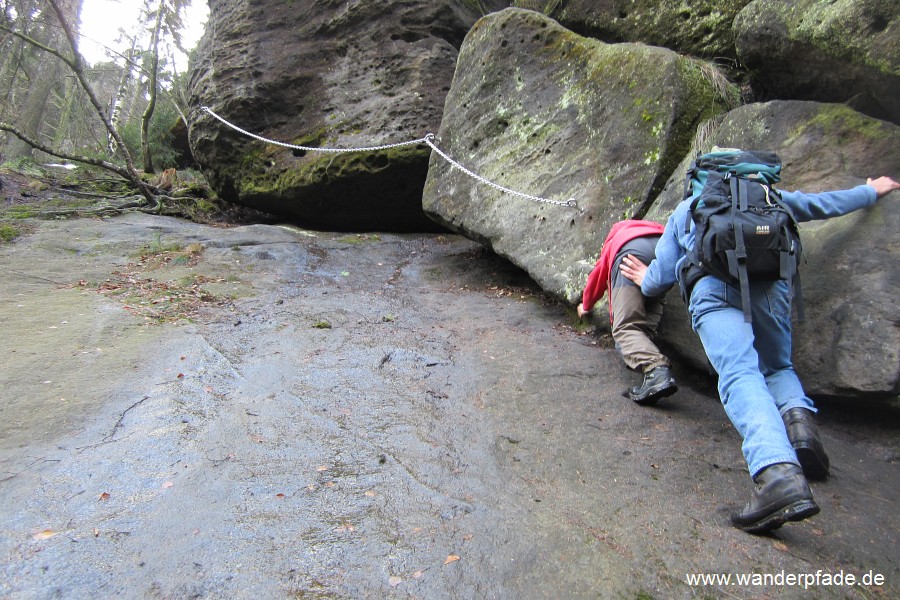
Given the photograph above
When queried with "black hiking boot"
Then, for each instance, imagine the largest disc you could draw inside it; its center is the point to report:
(804, 436)
(781, 495)
(658, 383)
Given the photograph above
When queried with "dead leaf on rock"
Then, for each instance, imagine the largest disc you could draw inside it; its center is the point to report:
(103, 496)
(45, 534)
(394, 581)
(418, 574)
(781, 546)
(451, 559)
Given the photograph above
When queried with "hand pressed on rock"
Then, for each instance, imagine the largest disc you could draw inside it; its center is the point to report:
(883, 185)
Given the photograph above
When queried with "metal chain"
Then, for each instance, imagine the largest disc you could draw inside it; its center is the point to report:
(311, 148)
(570, 203)
(428, 139)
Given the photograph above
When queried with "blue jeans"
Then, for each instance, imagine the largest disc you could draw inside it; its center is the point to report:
(757, 381)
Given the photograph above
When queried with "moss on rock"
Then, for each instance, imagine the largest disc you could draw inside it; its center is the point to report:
(602, 123)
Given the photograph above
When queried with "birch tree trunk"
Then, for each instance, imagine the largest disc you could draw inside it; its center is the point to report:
(119, 101)
(151, 105)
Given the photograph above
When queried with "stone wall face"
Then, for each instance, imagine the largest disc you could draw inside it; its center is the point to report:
(325, 73)
(539, 109)
(841, 51)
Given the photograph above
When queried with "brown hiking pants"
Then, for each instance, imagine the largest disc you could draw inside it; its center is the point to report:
(635, 319)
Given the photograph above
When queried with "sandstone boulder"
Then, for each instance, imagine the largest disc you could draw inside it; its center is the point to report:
(702, 28)
(838, 51)
(325, 73)
(541, 110)
(849, 342)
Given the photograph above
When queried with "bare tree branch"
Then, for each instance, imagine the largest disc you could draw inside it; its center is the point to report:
(74, 61)
(39, 45)
(129, 62)
(65, 155)
(76, 64)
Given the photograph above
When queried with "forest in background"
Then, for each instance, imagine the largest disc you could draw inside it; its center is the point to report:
(118, 115)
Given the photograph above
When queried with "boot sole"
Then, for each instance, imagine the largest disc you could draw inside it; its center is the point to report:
(663, 391)
(795, 511)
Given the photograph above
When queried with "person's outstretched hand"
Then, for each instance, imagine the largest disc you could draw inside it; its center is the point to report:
(633, 269)
(581, 312)
(883, 185)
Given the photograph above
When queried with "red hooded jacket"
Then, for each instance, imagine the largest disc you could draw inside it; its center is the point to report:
(600, 278)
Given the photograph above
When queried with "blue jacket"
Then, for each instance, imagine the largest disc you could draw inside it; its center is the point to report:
(674, 243)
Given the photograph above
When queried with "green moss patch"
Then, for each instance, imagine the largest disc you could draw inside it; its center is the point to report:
(9, 232)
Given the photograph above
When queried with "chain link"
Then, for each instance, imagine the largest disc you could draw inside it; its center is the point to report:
(570, 203)
(429, 139)
(311, 148)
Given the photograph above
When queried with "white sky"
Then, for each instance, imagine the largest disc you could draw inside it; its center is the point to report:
(102, 19)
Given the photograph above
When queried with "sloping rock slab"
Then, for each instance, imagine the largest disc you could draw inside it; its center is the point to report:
(701, 28)
(543, 111)
(849, 342)
(844, 50)
(325, 73)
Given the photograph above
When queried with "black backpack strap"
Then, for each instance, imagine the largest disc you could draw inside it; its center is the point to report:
(688, 188)
(690, 275)
(690, 215)
(775, 196)
(791, 272)
(738, 264)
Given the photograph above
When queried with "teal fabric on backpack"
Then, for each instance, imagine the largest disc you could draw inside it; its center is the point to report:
(765, 166)
(743, 230)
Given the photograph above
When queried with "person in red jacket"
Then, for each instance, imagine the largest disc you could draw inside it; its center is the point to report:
(634, 318)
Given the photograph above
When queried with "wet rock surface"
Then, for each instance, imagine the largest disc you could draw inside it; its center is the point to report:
(372, 416)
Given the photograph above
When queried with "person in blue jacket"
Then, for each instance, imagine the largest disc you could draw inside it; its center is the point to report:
(758, 387)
